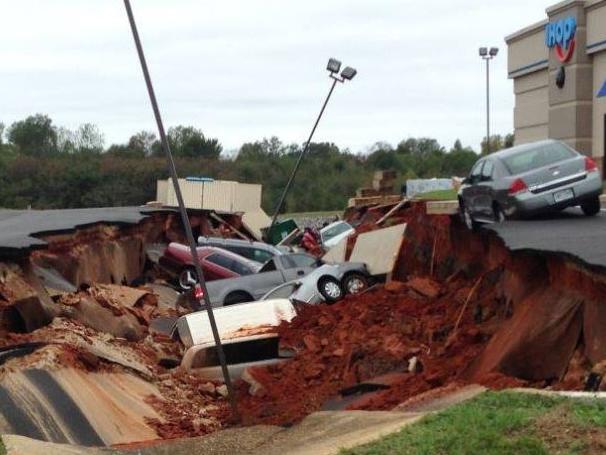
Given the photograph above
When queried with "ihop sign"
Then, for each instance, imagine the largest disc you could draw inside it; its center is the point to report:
(561, 36)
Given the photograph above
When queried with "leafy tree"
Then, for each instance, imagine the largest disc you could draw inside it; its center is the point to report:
(187, 141)
(145, 143)
(497, 142)
(1, 134)
(34, 136)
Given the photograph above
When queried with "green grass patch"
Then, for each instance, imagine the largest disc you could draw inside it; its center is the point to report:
(439, 195)
(501, 423)
(2, 448)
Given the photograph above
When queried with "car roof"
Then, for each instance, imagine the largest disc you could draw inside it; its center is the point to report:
(325, 228)
(241, 242)
(501, 154)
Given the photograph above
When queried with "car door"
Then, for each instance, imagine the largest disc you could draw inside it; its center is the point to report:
(267, 278)
(470, 192)
(298, 265)
(484, 191)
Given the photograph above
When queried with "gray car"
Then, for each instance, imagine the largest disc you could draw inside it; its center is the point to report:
(279, 270)
(256, 251)
(527, 180)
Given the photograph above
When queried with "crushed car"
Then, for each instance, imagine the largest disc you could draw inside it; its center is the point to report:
(330, 282)
(255, 251)
(216, 264)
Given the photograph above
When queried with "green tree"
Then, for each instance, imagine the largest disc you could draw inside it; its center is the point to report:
(187, 141)
(497, 142)
(35, 136)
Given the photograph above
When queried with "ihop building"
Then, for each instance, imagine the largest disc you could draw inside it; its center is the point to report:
(558, 67)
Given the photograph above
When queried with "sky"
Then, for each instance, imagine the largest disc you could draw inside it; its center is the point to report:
(242, 70)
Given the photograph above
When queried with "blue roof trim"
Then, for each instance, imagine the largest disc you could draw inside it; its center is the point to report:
(527, 67)
(602, 92)
(599, 43)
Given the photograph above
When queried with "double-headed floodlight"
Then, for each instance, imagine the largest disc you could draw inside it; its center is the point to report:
(333, 68)
(488, 55)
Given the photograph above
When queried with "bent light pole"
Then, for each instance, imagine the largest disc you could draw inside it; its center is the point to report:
(200, 291)
(488, 55)
(333, 68)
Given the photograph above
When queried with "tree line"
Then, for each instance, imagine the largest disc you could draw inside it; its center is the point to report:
(44, 166)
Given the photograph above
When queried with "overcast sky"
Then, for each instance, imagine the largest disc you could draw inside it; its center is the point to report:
(242, 70)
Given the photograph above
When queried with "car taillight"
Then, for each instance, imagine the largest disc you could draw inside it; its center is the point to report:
(517, 187)
(590, 165)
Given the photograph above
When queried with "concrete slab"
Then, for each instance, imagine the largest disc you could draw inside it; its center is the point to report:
(324, 433)
(442, 207)
(379, 249)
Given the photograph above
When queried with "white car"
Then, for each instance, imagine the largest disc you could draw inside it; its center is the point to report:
(328, 283)
(332, 234)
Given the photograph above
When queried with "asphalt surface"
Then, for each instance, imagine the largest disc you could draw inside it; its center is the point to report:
(19, 229)
(568, 232)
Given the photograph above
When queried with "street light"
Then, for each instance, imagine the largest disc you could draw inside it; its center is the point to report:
(333, 67)
(488, 55)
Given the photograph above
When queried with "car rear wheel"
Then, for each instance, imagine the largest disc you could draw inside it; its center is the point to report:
(330, 288)
(591, 206)
(354, 283)
(186, 277)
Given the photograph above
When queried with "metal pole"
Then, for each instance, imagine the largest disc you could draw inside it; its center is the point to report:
(300, 158)
(487, 106)
(184, 218)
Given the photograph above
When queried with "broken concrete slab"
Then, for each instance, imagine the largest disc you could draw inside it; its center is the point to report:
(77, 407)
(337, 253)
(379, 249)
(442, 207)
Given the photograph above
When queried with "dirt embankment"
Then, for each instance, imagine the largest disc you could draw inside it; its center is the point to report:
(463, 309)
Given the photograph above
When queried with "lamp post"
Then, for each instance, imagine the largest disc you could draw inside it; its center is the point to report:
(488, 55)
(333, 67)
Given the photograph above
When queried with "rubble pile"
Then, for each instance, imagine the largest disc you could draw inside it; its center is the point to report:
(407, 330)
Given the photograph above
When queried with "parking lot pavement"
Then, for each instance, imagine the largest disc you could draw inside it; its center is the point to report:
(568, 232)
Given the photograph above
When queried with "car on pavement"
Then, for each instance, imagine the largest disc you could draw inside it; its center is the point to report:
(281, 269)
(216, 264)
(332, 234)
(527, 180)
(312, 289)
(255, 251)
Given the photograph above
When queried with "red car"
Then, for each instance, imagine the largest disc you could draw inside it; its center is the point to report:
(216, 264)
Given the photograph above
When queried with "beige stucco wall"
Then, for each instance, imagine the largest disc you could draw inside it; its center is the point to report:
(596, 22)
(530, 115)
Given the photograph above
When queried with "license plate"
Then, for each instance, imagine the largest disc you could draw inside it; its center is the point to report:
(563, 195)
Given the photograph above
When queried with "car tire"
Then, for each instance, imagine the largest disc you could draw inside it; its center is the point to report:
(354, 283)
(470, 223)
(183, 278)
(330, 289)
(499, 214)
(237, 297)
(591, 207)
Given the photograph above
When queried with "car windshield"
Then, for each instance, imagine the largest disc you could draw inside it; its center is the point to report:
(333, 231)
(536, 157)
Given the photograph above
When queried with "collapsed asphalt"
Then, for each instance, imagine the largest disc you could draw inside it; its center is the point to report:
(18, 228)
(568, 232)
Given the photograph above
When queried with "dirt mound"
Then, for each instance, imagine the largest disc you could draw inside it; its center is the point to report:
(365, 336)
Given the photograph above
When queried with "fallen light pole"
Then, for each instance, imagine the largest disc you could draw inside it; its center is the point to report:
(333, 68)
(200, 291)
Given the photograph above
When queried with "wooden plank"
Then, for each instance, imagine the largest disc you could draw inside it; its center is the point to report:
(393, 210)
(442, 207)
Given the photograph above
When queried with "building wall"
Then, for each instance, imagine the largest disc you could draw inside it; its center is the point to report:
(572, 113)
(530, 116)
(596, 47)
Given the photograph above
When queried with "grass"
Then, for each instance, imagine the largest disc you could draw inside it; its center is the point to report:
(438, 195)
(502, 423)
(2, 448)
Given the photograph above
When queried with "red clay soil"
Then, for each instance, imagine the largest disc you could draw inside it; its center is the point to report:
(365, 336)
